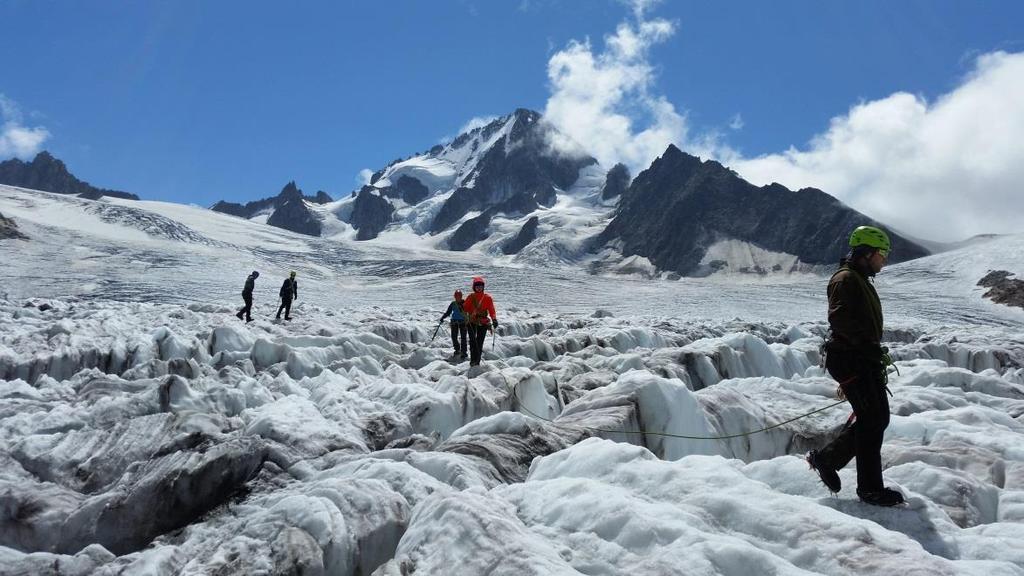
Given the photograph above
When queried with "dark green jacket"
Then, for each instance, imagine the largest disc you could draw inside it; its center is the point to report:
(854, 312)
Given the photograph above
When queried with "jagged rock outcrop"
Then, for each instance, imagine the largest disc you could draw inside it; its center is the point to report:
(470, 232)
(9, 229)
(408, 189)
(370, 213)
(616, 182)
(49, 174)
(293, 215)
(680, 206)
(1002, 289)
(527, 234)
(286, 210)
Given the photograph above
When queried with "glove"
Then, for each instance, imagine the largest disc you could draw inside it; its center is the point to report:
(495, 324)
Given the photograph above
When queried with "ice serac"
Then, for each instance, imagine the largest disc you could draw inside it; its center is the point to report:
(49, 174)
(675, 210)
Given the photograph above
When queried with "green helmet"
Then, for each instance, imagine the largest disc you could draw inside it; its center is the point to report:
(293, 274)
(871, 236)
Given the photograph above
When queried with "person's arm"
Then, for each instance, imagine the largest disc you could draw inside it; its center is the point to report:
(491, 311)
(295, 288)
(447, 312)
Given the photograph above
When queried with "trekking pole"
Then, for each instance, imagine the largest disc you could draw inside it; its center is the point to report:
(436, 329)
(493, 336)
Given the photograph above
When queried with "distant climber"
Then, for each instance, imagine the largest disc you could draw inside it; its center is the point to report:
(289, 291)
(855, 357)
(458, 325)
(245, 312)
(480, 314)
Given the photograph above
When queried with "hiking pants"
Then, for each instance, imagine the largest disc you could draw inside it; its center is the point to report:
(459, 330)
(863, 437)
(247, 309)
(477, 335)
(286, 305)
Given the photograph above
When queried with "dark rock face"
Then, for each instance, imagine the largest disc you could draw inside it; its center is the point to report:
(293, 215)
(1002, 289)
(9, 229)
(522, 166)
(680, 206)
(616, 182)
(370, 214)
(470, 232)
(289, 211)
(49, 174)
(527, 234)
(409, 189)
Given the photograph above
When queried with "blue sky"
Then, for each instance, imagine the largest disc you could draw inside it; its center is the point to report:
(197, 101)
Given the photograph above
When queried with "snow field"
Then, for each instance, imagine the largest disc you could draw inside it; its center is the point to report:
(174, 439)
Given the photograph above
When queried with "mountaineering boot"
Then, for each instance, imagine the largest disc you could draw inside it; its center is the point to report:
(239, 314)
(883, 497)
(828, 476)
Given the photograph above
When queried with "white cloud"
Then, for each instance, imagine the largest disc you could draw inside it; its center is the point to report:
(942, 170)
(736, 123)
(598, 98)
(16, 139)
(363, 178)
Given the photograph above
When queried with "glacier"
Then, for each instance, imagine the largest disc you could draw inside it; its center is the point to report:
(145, 430)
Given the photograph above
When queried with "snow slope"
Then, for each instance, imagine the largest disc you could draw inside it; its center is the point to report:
(145, 430)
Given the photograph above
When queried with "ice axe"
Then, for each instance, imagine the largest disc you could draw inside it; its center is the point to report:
(436, 329)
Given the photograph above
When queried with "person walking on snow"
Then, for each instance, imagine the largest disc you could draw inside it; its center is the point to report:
(250, 284)
(479, 309)
(458, 324)
(289, 291)
(855, 358)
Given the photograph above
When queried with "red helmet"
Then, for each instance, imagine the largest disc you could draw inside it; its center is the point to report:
(478, 280)
(458, 294)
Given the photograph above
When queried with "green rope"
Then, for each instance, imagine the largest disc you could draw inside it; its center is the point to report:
(515, 392)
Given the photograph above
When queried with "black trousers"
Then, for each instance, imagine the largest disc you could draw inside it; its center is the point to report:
(286, 305)
(477, 336)
(247, 309)
(459, 337)
(863, 437)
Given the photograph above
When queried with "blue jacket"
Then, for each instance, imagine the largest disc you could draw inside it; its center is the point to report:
(456, 311)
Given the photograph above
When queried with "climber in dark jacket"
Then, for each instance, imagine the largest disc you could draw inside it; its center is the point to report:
(855, 358)
(289, 291)
(245, 312)
(458, 325)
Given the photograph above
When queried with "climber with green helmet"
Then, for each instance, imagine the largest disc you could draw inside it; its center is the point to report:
(289, 291)
(855, 358)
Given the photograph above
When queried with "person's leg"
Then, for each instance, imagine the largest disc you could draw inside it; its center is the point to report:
(464, 335)
(842, 448)
(288, 309)
(279, 309)
(872, 409)
(248, 309)
(454, 326)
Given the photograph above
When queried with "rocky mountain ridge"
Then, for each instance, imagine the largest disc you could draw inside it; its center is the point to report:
(49, 174)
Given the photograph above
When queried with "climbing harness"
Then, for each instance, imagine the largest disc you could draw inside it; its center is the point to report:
(515, 392)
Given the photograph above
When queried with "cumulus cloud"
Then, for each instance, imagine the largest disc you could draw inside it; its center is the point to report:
(604, 98)
(477, 122)
(15, 138)
(941, 170)
(363, 178)
(737, 122)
